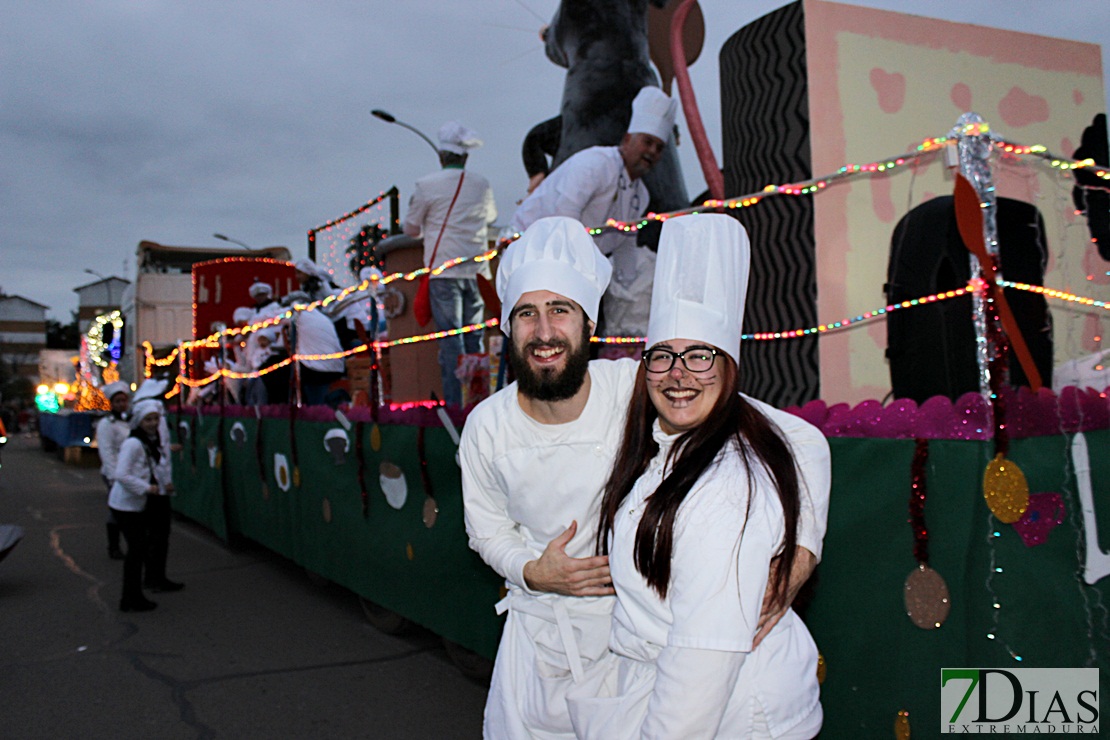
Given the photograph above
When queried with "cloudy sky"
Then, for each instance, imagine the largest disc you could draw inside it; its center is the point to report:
(169, 120)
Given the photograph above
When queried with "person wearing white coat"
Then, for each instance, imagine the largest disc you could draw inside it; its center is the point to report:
(143, 470)
(706, 492)
(111, 430)
(606, 182)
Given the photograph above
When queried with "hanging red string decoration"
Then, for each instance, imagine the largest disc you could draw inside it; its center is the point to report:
(925, 592)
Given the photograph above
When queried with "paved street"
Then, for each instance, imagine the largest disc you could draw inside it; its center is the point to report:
(252, 648)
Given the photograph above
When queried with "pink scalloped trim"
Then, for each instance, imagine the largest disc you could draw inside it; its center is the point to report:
(1027, 415)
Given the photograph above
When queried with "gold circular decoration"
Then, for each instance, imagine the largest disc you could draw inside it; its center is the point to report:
(375, 438)
(1005, 489)
(326, 506)
(408, 551)
(431, 511)
(821, 667)
(926, 595)
(219, 459)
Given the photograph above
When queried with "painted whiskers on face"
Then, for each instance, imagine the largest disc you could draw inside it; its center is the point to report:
(683, 399)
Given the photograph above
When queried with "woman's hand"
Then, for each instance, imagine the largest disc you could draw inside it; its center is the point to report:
(152, 489)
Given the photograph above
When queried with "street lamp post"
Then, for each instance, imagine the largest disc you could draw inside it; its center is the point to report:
(94, 272)
(389, 118)
(221, 237)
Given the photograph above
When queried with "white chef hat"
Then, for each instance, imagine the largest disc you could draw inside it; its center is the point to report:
(653, 113)
(701, 282)
(242, 315)
(150, 388)
(457, 138)
(112, 389)
(260, 288)
(306, 266)
(145, 408)
(555, 254)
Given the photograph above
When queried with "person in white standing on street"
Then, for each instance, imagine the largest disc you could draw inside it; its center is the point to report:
(706, 492)
(142, 471)
(111, 430)
(452, 209)
(534, 459)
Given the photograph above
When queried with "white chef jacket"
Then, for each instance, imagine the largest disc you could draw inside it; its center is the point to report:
(315, 335)
(593, 186)
(523, 484)
(134, 472)
(467, 231)
(110, 433)
(685, 665)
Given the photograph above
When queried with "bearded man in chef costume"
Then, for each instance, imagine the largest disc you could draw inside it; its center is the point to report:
(535, 457)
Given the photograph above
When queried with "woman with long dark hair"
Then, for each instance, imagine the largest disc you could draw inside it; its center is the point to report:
(703, 496)
(143, 472)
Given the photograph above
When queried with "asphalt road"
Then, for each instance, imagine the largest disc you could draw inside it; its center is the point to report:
(252, 648)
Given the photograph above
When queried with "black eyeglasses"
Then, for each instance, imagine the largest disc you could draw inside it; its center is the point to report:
(695, 359)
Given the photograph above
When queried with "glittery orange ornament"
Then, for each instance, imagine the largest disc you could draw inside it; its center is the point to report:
(1005, 489)
(902, 725)
(375, 438)
(821, 667)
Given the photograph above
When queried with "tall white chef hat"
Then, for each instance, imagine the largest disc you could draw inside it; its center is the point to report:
(555, 254)
(242, 315)
(112, 389)
(701, 282)
(457, 138)
(260, 288)
(653, 113)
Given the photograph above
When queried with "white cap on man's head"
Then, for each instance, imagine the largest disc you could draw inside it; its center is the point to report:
(260, 288)
(307, 266)
(554, 254)
(112, 389)
(701, 282)
(653, 113)
(457, 138)
(242, 315)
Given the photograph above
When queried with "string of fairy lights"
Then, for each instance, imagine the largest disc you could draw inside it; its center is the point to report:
(802, 188)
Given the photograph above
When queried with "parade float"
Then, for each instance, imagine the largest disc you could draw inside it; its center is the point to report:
(966, 511)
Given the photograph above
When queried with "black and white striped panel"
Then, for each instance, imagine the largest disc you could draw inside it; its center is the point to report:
(765, 111)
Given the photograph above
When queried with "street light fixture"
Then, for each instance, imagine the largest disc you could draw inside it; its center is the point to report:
(389, 118)
(233, 241)
(94, 272)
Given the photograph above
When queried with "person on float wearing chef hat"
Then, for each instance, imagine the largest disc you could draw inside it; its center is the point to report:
(706, 493)
(541, 448)
(605, 182)
(452, 209)
(111, 430)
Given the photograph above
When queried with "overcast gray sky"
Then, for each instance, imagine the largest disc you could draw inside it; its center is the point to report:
(168, 120)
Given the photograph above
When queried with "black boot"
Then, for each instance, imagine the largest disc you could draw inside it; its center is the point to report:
(136, 604)
(113, 542)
